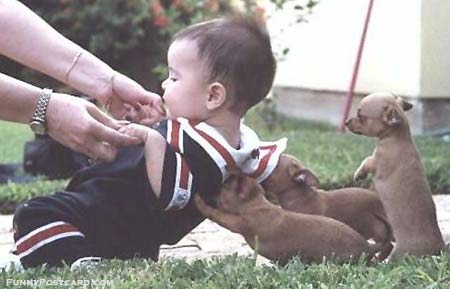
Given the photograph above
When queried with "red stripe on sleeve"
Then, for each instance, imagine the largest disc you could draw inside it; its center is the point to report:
(184, 175)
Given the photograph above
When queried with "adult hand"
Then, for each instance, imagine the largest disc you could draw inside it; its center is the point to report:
(81, 126)
(126, 91)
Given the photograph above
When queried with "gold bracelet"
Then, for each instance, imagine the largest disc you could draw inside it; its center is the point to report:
(109, 100)
(72, 65)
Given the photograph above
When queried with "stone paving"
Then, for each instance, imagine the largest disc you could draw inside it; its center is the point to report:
(210, 240)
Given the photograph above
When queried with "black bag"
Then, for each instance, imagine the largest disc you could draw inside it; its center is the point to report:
(45, 156)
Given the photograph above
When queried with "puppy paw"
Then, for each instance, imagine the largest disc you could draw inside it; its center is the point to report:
(360, 174)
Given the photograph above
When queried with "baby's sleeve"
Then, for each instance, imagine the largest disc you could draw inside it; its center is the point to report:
(177, 179)
(188, 170)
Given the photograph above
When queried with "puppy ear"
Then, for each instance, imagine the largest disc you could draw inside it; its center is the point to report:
(406, 105)
(306, 177)
(247, 187)
(403, 103)
(391, 116)
(234, 178)
(294, 169)
(233, 170)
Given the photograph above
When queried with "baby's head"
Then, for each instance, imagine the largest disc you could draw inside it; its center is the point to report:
(225, 64)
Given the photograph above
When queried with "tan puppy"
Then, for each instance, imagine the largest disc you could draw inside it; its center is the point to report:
(398, 174)
(278, 234)
(294, 188)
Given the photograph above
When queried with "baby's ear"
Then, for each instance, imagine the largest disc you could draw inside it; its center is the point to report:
(217, 95)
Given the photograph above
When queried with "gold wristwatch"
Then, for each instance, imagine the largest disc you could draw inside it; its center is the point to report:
(38, 122)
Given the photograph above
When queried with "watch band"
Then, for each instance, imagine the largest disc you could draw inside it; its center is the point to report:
(41, 107)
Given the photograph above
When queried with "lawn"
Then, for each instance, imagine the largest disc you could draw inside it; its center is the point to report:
(237, 272)
(331, 155)
(14, 137)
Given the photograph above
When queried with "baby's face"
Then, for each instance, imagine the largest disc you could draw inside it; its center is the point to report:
(186, 88)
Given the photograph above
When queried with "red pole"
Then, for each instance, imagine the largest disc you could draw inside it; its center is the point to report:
(350, 93)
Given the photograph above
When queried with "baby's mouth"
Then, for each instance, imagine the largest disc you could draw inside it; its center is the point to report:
(165, 108)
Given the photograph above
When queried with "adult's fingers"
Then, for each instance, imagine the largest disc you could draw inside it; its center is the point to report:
(81, 126)
(160, 107)
(102, 117)
(86, 144)
(98, 150)
(127, 91)
(145, 97)
(104, 128)
(117, 108)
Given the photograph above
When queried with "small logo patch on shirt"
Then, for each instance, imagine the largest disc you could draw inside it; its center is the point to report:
(180, 199)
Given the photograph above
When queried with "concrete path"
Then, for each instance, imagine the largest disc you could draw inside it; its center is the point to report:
(209, 239)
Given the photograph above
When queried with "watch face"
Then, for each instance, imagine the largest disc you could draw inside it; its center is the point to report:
(38, 127)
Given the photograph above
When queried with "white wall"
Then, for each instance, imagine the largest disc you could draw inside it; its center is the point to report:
(402, 54)
(435, 79)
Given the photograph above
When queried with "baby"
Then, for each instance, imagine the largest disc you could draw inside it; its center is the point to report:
(218, 70)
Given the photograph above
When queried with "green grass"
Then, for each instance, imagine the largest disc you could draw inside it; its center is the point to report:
(14, 137)
(238, 272)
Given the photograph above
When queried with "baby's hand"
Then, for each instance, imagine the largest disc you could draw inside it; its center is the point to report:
(135, 130)
(143, 114)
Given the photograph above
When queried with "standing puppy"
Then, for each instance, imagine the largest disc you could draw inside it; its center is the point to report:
(399, 177)
(278, 234)
(294, 188)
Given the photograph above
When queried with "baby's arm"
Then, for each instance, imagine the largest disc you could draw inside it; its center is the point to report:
(155, 148)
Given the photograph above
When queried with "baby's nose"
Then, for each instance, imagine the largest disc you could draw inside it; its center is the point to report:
(164, 84)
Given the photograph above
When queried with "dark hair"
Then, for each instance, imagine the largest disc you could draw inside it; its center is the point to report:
(238, 52)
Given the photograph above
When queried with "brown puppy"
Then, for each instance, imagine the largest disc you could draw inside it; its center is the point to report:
(398, 174)
(294, 188)
(278, 234)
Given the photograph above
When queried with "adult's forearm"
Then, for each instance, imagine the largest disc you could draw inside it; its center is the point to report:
(28, 39)
(17, 99)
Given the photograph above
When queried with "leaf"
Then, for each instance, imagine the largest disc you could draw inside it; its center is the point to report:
(311, 4)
